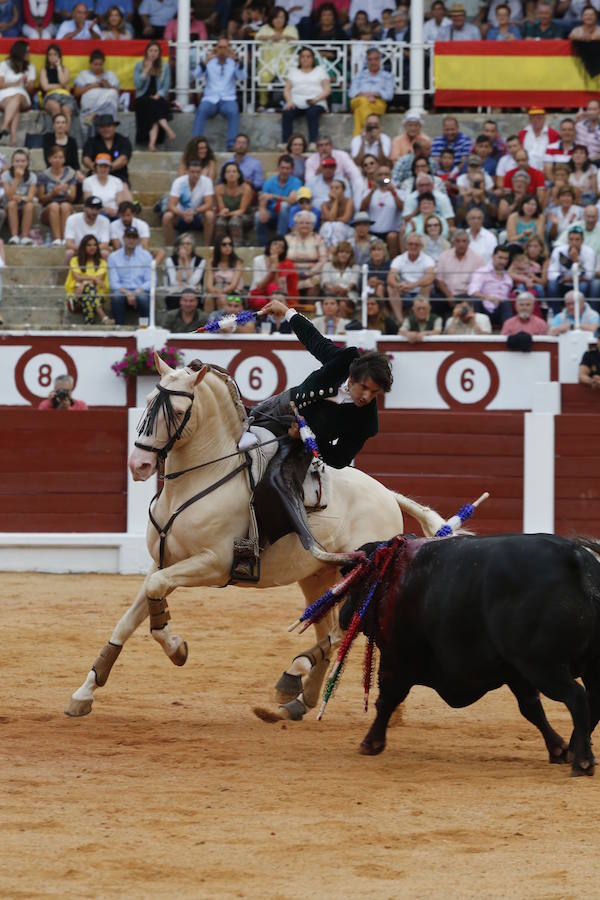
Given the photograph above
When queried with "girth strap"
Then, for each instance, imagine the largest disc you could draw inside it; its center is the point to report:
(164, 530)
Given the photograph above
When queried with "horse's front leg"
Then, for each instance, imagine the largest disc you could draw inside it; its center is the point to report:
(204, 569)
(81, 701)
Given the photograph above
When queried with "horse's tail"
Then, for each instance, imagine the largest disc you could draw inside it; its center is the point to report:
(428, 519)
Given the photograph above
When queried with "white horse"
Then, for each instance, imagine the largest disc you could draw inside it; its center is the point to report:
(194, 419)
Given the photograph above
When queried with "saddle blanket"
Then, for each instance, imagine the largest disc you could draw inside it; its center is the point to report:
(316, 486)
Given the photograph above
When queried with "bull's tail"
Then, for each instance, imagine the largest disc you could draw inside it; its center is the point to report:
(428, 519)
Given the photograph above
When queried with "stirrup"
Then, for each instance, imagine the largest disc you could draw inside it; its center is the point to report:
(246, 561)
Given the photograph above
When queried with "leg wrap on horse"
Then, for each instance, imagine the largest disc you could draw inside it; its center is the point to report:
(159, 613)
(317, 653)
(105, 661)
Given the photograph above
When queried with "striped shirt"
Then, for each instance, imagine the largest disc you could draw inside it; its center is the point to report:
(589, 136)
(461, 146)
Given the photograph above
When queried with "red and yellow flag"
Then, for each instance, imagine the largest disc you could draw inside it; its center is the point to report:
(516, 73)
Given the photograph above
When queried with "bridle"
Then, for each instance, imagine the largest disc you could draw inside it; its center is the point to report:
(146, 424)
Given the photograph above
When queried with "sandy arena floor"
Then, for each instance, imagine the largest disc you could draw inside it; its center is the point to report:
(173, 788)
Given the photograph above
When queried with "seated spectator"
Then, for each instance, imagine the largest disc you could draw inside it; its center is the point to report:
(482, 151)
(424, 185)
(337, 212)
(361, 240)
(347, 310)
(411, 274)
(378, 271)
(507, 162)
(504, 30)
(115, 27)
(152, 80)
(198, 148)
(477, 197)
(59, 137)
(61, 396)
(126, 219)
(155, 16)
(525, 222)
(564, 321)
(344, 166)
(224, 274)
(482, 241)
(371, 141)
(87, 222)
(562, 260)
(567, 213)
(475, 175)
(320, 185)
(523, 278)
(419, 166)
(420, 322)
(403, 144)
(491, 285)
(455, 268)
(432, 28)
(187, 318)
(108, 140)
(560, 151)
(276, 54)
(378, 319)
(183, 269)
(250, 166)
(384, 206)
(86, 286)
(584, 176)
(452, 138)
(308, 252)
(464, 320)
(536, 256)
(325, 24)
(588, 30)
(459, 29)
(102, 184)
(297, 147)
(591, 230)
(191, 201)
(544, 28)
(370, 91)
(525, 318)
(97, 89)
(447, 172)
(54, 82)
(435, 244)
(129, 274)
(57, 186)
(79, 27)
(499, 148)
(587, 130)
(17, 76)
(19, 185)
(233, 196)
(536, 137)
(330, 322)
(305, 93)
(277, 195)
(273, 273)
(275, 322)
(37, 20)
(426, 208)
(341, 276)
(304, 202)
(589, 367)
(511, 201)
(537, 181)
(221, 70)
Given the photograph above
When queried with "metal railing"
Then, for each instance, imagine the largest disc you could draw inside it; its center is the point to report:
(268, 64)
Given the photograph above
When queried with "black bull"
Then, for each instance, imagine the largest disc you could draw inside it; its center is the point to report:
(473, 613)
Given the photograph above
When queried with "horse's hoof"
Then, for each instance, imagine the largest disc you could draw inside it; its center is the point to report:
(288, 687)
(371, 748)
(294, 710)
(179, 658)
(76, 708)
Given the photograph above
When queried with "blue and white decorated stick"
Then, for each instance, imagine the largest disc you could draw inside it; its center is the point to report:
(226, 322)
(307, 435)
(458, 520)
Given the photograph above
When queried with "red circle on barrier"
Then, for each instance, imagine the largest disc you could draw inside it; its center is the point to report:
(252, 351)
(479, 357)
(50, 350)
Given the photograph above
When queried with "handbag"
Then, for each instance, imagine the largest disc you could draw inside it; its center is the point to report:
(34, 140)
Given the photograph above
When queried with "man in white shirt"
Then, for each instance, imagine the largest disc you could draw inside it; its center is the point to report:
(562, 260)
(110, 190)
(459, 29)
(89, 221)
(536, 137)
(79, 28)
(97, 89)
(481, 240)
(411, 274)
(191, 201)
(126, 219)
(371, 140)
(439, 20)
(424, 185)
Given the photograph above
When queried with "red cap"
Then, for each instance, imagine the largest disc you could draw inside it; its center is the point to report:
(328, 161)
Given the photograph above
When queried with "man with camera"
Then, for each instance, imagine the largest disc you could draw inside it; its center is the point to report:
(60, 397)
(464, 320)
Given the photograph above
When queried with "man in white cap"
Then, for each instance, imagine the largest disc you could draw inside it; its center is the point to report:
(404, 143)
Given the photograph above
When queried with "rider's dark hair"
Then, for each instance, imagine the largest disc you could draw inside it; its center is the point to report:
(375, 366)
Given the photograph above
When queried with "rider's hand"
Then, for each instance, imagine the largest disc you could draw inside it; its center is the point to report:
(273, 306)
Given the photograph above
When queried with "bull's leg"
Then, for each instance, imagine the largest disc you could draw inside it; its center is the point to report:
(393, 690)
(591, 680)
(559, 685)
(81, 701)
(531, 708)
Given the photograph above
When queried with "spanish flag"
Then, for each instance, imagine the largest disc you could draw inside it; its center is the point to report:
(121, 56)
(512, 73)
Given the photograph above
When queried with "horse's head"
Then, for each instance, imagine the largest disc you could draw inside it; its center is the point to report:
(165, 419)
